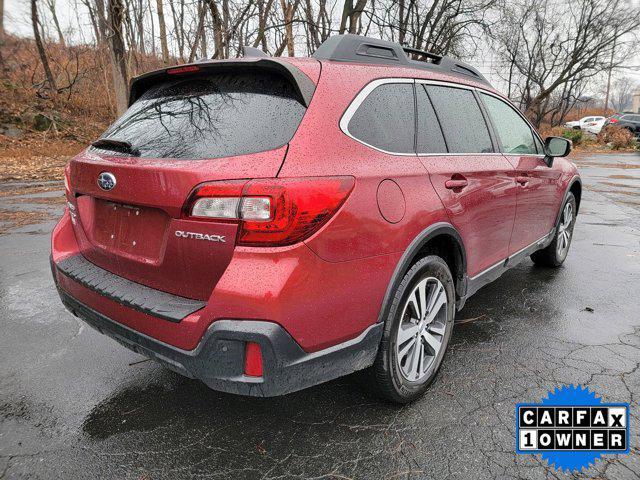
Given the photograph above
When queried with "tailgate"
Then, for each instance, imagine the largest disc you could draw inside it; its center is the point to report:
(136, 230)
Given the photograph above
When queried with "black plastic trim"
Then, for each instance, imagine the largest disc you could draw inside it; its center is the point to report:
(130, 294)
(496, 271)
(575, 179)
(218, 360)
(440, 228)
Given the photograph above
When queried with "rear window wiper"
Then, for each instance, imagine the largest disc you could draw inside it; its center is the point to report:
(117, 145)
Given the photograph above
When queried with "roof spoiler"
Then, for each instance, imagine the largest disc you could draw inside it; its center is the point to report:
(303, 84)
(356, 48)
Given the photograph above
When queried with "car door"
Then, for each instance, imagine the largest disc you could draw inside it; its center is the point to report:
(475, 183)
(538, 186)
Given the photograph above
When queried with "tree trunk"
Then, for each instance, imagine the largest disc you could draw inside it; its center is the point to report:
(52, 8)
(351, 15)
(199, 31)
(1, 32)
(43, 55)
(263, 14)
(287, 10)
(102, 19)
(118, 55)
(163, 33)
(1, 21)
(217, 29)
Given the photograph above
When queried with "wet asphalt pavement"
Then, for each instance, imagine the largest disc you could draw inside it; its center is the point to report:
(75, 404)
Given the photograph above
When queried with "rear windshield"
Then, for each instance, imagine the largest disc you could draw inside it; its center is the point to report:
(211, 116)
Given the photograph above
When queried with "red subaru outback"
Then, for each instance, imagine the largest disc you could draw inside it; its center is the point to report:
(266, 224)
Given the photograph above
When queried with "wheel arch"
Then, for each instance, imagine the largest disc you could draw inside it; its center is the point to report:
(575, 187)
(442, 239)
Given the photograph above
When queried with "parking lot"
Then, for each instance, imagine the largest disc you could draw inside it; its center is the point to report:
(75, 404)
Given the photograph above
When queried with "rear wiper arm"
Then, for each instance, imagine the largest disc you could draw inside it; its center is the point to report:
(117, 145)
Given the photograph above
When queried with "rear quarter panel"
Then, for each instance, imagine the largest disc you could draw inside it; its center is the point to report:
(320, 148)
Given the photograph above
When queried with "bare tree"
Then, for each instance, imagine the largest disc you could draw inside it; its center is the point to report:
(288, 10)
(51, 4)
(163, 33)
(2, 65)
(49, 79)
(554, 47)
(200, 33)
(351, 15)
(622, 93)
(118, 55)
(264, 9)
(440, 26)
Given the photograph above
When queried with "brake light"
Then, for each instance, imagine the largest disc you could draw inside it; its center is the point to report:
(613, 120)
(271, 212)
(252, 360)
(186, 69)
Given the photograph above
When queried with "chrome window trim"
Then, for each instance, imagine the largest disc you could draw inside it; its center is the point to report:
(371, 86)
(357, 101)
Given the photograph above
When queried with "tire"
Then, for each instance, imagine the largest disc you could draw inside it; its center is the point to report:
(556, 252)
(396, 379)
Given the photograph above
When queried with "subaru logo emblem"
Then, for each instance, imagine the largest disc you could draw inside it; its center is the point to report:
(106, 180)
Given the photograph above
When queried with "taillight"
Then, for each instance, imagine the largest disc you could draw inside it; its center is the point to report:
(67, 181)
(271, 212)
(613, 120)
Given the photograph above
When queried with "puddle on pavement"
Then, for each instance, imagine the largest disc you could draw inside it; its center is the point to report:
(10, 220)
(623, 177)
(20, 208)
(618, 185)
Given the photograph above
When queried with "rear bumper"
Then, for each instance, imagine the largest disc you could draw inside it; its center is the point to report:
(218, 360)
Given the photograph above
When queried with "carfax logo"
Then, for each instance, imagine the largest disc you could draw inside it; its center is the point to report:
(572, 428)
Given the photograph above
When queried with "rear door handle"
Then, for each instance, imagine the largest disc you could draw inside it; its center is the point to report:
(522, 180)
(458, 183)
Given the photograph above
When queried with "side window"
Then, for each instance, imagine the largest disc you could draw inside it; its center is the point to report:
(386, 118)
(539, 145)
(514, 134)
(461, 119)
(429, 135)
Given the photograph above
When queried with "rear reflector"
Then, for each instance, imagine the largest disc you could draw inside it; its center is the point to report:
(253, 360)
(271, 212)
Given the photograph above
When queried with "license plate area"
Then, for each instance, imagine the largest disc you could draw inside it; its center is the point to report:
(127, 230)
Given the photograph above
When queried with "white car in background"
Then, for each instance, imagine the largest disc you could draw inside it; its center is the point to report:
(588, 124)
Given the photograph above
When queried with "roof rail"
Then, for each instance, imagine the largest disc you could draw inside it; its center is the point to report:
(356, 48)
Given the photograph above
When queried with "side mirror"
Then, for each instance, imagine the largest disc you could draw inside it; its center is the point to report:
(556, 147)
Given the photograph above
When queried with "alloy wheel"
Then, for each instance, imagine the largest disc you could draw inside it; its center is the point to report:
(564, 230)
(421, 329)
